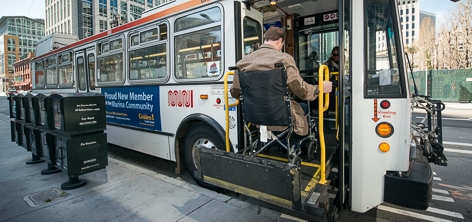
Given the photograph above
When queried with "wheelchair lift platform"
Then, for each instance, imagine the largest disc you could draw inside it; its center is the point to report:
(268, 177)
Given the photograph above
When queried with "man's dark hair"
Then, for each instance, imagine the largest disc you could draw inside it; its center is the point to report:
(274, 34)
(335, 48)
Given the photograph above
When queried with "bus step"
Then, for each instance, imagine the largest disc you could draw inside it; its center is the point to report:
(317, 203)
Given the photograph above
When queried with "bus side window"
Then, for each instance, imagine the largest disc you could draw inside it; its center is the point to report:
(198, 52)
(110, 61)
(39, 75)
(148, 63)
(110, 68)
(65, 76)
(51, 73)
(147, 54)
(66, 79)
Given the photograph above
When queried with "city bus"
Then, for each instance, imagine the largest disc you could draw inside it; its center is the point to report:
(165, 79)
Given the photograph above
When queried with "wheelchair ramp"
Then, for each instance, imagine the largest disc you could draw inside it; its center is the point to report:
(270, 180)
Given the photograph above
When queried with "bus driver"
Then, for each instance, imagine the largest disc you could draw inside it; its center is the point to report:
(264, 59)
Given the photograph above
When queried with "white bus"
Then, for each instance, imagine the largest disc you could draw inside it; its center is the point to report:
(163, 80)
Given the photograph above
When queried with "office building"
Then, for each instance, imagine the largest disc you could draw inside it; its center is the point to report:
(22, 73)
(84, 18)
(410, 22)
(18, 37)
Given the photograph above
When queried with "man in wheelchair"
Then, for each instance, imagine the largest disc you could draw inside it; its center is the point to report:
(266, 96)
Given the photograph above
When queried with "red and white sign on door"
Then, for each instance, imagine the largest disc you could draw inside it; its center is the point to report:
(330, 16)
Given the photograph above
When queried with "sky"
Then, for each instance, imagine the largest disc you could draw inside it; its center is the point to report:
(28, 8)
(438, 7)
(35, 8)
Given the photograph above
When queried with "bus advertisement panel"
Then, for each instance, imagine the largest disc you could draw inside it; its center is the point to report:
(133, 106)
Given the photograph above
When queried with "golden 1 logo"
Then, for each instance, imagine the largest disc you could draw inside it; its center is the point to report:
(146, 117)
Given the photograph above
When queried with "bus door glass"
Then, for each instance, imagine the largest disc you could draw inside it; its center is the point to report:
(80, 70)
(383, 75)
(90, 69)
(252, 31)
(317, 37)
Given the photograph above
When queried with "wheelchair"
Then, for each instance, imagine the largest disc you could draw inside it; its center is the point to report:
(266, 101)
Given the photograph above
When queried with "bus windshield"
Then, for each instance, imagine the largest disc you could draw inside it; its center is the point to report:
(382, 76)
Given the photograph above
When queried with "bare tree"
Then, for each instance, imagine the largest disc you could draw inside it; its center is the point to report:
(426, 44)
(454, 38)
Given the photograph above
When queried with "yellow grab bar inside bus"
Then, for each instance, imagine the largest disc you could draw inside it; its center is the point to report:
(227, 105)
(321, 108)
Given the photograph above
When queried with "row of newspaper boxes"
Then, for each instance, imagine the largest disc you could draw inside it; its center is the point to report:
(64, 130)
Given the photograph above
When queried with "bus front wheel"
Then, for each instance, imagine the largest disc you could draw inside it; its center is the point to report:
(203, 136)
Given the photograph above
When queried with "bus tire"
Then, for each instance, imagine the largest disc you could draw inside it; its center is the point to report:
(201, 134)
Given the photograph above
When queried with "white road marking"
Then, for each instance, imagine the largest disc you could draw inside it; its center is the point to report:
(441, 198)
(457, 143)
(458, 151)
(422, 117)
(440, 191)
(457, 119)
(411, 214)
(445, 212)
(437, 178)
(434, 173)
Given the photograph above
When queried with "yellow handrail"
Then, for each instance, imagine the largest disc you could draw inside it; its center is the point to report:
(227, 105)
(321, 109)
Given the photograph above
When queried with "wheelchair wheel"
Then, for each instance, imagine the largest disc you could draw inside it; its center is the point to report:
(311, 150)
(203, 136)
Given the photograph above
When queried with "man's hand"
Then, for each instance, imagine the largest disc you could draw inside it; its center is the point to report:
(327, 86)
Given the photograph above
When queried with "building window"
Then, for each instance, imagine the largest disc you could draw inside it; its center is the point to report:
(413, 10)
(412, 33)
(407, 11)
(136, 11)
(102, 8)
(103, 25)
(413, 18)
(401, 12)
(113, 7)
(407, 18)
(407, 26)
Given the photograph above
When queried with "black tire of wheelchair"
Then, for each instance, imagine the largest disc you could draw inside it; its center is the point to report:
(199, 131)
(311, 150)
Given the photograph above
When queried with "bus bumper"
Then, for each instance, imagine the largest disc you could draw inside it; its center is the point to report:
(412, 191)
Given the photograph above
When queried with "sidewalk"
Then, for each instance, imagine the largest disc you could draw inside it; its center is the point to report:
(121, 192)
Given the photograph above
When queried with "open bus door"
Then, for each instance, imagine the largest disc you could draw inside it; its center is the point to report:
(271, 179)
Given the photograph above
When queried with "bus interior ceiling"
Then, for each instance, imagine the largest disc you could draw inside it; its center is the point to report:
(290, 7)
